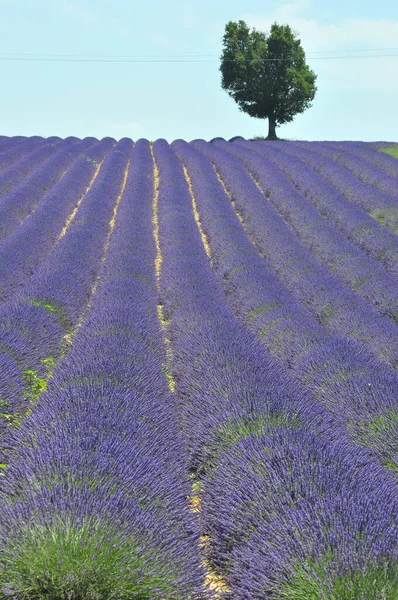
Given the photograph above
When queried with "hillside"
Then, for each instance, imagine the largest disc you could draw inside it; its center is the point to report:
(198, 358)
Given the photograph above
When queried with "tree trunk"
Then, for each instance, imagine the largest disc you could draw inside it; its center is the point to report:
(271, 128)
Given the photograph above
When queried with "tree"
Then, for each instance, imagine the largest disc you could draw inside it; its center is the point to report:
(266, 75)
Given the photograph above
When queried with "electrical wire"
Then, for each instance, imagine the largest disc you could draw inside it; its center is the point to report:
(144, 60)
(179, 56)
(188, 58)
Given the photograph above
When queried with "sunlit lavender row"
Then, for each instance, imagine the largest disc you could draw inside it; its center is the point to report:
(199, 370)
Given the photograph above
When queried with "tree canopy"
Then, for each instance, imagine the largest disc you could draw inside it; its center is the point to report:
(266, 75)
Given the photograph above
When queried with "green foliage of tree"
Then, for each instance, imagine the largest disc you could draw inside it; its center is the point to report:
(266, 75)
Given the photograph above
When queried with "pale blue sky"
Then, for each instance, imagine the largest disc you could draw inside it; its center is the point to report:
(357, 97)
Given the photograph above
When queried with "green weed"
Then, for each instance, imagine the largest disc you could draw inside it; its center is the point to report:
(264, 330)
(36, 385)
(62, 561)
(235, 431)
(373, 427)
(53, 308)
(261, 309)
(391, 150)
(48, 362)
(312, 582)
(233, 271)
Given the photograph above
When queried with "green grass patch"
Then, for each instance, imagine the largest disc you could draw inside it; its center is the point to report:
(48, 362)
(63, 561)
(53, 308)
(391, 150)
(386, 216)
(372, 431)
(46, 305)
(326, 313)
(372, 428)
(379, 215)
(233, 432)
(265, 329)
(90, 481)
(197, 486)
(12, 419)
(312, 582)
(35, 384)
(359, 281)
(390, 465)
(233, 272)
(259, 425)
(261, 309)
(9, 418)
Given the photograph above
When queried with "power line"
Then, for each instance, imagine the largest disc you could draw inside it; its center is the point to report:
(48, 56)
(360, 50)
(178, 60)
(190, 58)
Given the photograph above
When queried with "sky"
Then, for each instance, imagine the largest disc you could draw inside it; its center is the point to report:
(169, 85)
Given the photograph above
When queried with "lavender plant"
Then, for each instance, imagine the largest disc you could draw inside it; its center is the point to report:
(370, 175)
(95, 498)
(23, 199)
(315, 287)
(348, 381)
(14, 149)
(33, 241)
(378, 204)
(358, 271)
(361, 229)
(27, 163)
(230, 388)
(191, 400)
(33, 326)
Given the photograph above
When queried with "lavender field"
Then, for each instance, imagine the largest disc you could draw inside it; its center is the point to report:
(198, 370)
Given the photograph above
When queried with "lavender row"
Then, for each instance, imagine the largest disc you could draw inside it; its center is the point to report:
(26, 248)
(369, 152)
(379, 158)
(6, 142)
(218, 366)
(101, 456)
(332, 304)
(19, 170)
(9, 144)
(22, 200)
(9, 154)
(360, 168)
(372, 237)
(5, 138)
(34, 326)
(363, 274)
(293, 516)
(258, 294)
(378, 204)
(240, 415)
(345, 378)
